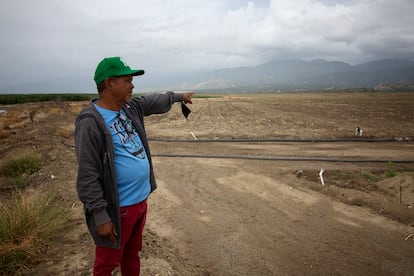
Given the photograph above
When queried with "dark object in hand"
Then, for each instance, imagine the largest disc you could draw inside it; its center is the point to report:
(185, 110)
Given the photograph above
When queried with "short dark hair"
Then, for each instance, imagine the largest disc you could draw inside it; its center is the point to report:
(101, 86)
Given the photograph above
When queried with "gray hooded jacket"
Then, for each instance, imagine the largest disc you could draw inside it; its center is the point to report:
(96, 185)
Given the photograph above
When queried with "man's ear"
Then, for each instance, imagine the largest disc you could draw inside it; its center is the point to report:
(108, 83)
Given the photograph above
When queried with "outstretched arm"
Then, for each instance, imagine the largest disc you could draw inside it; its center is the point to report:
(159, 103)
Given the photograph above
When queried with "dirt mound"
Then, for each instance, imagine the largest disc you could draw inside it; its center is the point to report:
(400, 187)
(392, 197)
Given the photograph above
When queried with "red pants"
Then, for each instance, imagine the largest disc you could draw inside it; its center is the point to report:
(127, 257)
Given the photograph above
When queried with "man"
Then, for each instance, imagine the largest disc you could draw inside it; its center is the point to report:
(115, 173)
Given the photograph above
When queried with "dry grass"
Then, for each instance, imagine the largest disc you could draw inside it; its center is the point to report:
(28, 225)
(64, 132)
(27, 163)
(4, 134)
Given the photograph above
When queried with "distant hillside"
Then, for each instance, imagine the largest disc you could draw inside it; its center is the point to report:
(305, 75)
(289, 74)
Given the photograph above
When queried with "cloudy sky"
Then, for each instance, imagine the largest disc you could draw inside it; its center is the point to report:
(59, 40)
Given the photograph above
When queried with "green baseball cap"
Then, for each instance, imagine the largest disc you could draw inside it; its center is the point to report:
(114, 67)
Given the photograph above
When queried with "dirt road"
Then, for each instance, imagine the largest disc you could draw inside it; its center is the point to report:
(255, 218)
(214, 216)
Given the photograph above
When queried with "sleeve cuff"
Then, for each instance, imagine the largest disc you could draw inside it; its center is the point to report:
(178, 97)
(101, 217)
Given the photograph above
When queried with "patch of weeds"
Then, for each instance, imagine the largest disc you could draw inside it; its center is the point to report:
(28, 224)
(18, 182)
(64, 132)
(370, 176)
(8, 183)
(391, 172)
(26, 164)
(339, 174)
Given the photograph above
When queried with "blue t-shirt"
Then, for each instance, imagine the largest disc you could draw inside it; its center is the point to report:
(132, 170)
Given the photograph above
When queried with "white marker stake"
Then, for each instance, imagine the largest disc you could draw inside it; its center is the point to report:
(192, 133)
(321, 176)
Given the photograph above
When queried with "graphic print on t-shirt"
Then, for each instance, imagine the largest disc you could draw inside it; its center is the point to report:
(128, 136)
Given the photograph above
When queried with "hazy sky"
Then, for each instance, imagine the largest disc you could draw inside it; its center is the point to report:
(54, 39)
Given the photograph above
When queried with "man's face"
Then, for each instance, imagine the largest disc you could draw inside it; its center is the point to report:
(122, 88)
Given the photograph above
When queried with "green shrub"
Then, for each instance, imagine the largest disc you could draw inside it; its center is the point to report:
(370, 176)
(340, 174)
(11, 183)
(391, 172)
(25, 164)
(28, 224)
(24, 98)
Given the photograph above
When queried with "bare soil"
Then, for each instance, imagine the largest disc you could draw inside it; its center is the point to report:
(241, 216)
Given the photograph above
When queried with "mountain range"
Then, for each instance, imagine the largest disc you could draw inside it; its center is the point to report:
(277, 75)
(294, 74)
